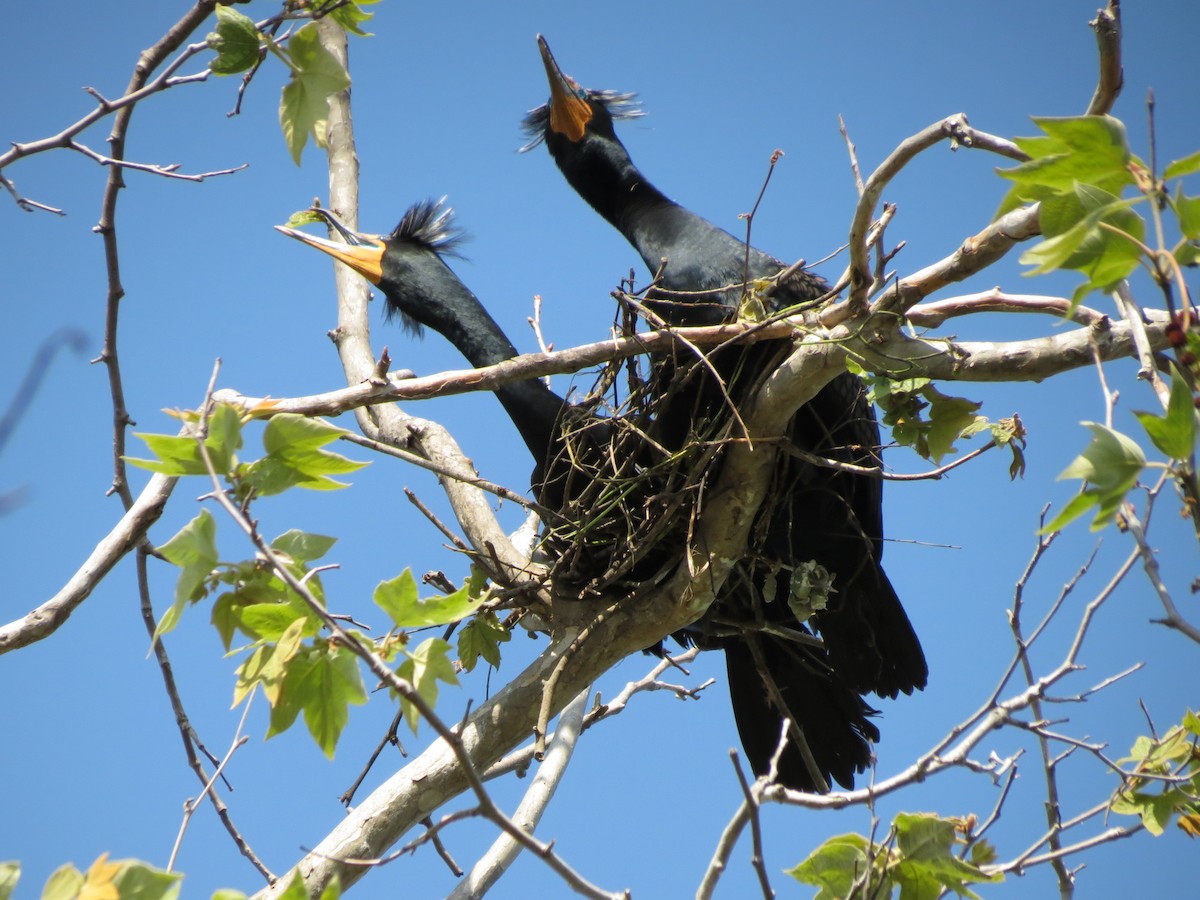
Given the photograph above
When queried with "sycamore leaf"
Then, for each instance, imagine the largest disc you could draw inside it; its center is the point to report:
(301, 546)
(428, 664)
(1188, 210)
(176, 455)
(194, 550)
(269, 621)
(398, 598)
(64, 884)
(351, 16)
(948, 418)
(928, 865)
(1098, 252)
(290, 431)
(10, 874)
(236, 42)
(834, 866)
(1189, 165)
(329, 685)
(179, 454)
(143, 881)
(286, 706)
(1110, 466)
(295, 889)
(482, 636)
(304, 108)
(1175, 433)
(295, 458)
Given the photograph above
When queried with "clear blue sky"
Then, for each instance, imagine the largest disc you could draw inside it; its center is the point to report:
(90, 759)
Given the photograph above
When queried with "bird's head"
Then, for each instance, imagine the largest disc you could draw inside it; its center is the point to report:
(405, 265)
(573, 112)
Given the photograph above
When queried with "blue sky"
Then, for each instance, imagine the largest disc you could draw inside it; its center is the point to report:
(91, 760)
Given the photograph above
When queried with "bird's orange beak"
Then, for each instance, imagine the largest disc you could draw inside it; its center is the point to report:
(569, 112)
(364, 255)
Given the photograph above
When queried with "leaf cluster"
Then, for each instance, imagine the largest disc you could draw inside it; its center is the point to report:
(923, 857)
(932, 423)
(315, 72)
(292, 655)
(104, 880)
(1165, 783)
(1078, 170)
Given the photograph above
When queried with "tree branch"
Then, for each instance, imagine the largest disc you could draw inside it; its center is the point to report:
(45, 619)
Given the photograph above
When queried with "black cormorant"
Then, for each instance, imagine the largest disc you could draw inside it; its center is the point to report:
(816, 514)
(421, 290)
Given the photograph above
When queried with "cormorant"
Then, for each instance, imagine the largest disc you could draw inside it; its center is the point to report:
(421, 290)
(816, 514)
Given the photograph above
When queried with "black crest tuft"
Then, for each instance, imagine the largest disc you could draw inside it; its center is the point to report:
(430, 224)
(618, 105)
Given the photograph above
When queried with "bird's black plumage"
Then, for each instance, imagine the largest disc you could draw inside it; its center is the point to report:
(816, 514)
(422, 291)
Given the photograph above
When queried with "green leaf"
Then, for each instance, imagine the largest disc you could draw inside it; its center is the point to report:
(194, 550)
(180, 455)
(398, 598)
(176, 455)
(301, 546)
(1104, 256)
(10, 874)
(304, 217)
(834, 866)
(1110, 465)
(1189, 165)
(290, 431)
(329, 684)
(928, 865)
(983, 853)
(304, 109)
(428, 664)
(224, 435)
(227, 894)
(1188, 210)
(295, 889)
(236, 42)
(1191, 722)
(949, 417)
(350, 16)
(1091, 149)
(269, 621)
(286, 706)
(482, 636)
(64, 884)
(137, 880)
(333, 890)
(1187, 253)
(294, 457)
(1076, 507)
(1175, 433)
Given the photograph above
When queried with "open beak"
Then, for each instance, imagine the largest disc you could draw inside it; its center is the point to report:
(569, 112)
(361, 252)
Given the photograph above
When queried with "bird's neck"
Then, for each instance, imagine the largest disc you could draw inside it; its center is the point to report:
(601, 171)
(531, 405)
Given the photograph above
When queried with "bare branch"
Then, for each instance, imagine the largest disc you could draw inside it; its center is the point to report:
(1107, 26)
(167, 171)
(954, 128)
(45, 619)
(935, 313)
(500, 856)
